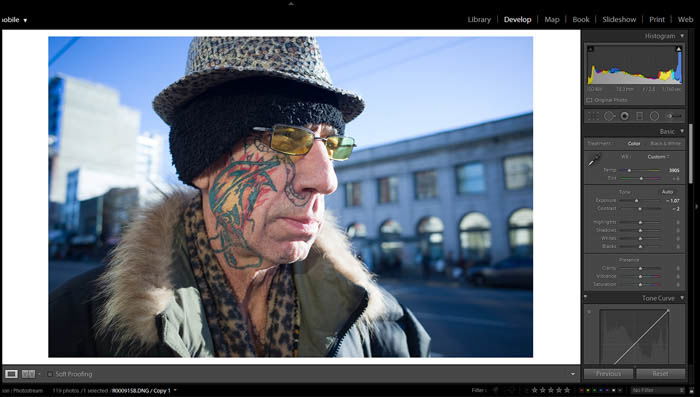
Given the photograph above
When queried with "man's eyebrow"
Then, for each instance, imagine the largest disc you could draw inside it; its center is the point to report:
(330, 131)
(326, 130)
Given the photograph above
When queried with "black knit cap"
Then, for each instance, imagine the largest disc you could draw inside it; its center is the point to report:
(207, 127)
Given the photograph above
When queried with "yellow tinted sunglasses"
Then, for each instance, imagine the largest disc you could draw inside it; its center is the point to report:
(297, 141)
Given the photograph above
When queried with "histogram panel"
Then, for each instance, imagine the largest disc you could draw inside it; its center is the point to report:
(629, 75)
(625, 64)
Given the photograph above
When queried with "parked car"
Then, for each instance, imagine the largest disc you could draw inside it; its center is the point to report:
(509, 272)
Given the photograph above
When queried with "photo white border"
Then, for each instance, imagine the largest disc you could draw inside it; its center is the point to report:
(556, 196)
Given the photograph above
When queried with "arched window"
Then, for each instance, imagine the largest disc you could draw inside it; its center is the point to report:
(431, 224)
(520, 232)
(357, 230)
(390, 227)
(430, 236)
(390, 247)
(475, 237)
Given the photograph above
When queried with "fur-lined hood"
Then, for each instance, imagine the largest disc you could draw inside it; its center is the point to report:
(139, 282)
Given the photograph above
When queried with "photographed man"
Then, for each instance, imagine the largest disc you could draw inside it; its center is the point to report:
(249, 264)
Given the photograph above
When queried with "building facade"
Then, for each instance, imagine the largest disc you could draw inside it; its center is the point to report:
(95, 148)
(460, 194)
(84, 184)
(88, 128)
(148, 162)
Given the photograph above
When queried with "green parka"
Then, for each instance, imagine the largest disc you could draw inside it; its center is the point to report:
(145, 301)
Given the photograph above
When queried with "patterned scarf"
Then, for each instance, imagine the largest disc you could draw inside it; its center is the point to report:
(229, 328)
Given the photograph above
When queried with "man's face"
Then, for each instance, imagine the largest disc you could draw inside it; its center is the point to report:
(269, 206)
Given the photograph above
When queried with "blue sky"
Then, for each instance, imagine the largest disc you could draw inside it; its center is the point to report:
(412, 85)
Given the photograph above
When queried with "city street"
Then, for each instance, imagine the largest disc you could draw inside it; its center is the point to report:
(465, 321)
(462, 321)
(62, 271)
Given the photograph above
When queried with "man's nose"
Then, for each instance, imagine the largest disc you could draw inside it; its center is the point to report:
(314, 171)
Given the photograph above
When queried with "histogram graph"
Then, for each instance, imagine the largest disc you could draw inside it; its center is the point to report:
(634, 64)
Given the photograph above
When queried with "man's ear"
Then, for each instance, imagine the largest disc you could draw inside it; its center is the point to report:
(202, 182)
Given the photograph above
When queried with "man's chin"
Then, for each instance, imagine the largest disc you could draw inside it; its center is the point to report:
(291, 252)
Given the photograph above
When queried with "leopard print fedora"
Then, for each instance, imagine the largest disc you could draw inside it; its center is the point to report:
(214, 60)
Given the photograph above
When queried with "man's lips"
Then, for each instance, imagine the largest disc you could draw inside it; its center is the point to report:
(302, 225)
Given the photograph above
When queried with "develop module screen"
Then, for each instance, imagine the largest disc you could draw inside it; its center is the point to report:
(518, 188)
